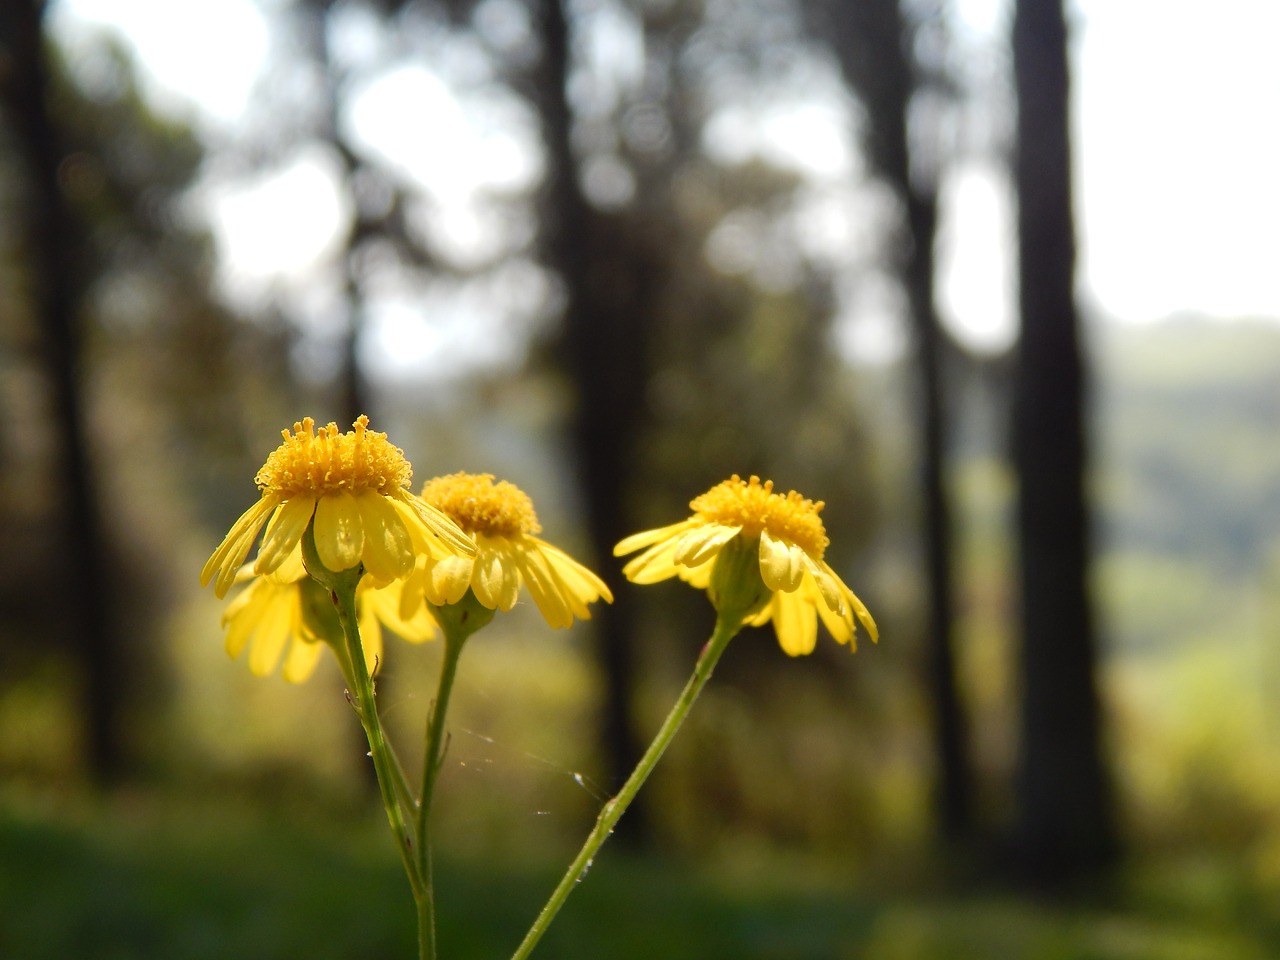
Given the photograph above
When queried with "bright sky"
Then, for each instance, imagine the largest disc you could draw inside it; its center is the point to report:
(1177, 141)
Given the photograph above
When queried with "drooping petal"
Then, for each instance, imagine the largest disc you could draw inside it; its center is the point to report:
(274, 623)
(301, 660)
(649, 537)
(449, 579)
(839, 625)
(284, 533)
(695, 547)
(549, 594)
(388, 550)
(234, 547)
(781, 563)
(863, 614)
(494, 580)
(339, 530)
(827, 584)
(291, 570)
(581, 580)
(385, 605)
(371, 639)
(239, 618)
(795, 622)
(655, 564)
(445, 536)
(413, 589)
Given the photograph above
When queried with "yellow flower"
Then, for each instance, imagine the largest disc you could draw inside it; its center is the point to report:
(787, 536)
(288, 612)
(501, 518)
(355, 485)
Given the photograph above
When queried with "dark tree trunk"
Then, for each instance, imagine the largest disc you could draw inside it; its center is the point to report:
(1064, 817)
(58, 281)
(605, 355)
(871, 40)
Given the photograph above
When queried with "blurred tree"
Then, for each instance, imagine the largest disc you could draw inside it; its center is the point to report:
(152, 385)
(610, 280)
(681, 373)
(879, 50)
(1065, 829)
(59, 282)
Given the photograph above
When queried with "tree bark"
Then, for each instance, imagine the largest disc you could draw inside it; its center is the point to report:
(1065, 830)
(58, 279)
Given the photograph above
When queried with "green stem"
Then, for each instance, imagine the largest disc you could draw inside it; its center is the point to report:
(401, 782)
(431, 763)
(344, 595)
(457, 621)
(725, 630)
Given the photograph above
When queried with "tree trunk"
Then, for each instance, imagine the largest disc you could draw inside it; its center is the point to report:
(58, 282)
(605, 355)
(871, 40)
(1065, 830)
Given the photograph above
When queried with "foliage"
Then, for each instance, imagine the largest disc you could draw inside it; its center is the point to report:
(133, 879)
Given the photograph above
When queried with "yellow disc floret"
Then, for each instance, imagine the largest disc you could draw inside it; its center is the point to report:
(479, 505)
(311, 464)
(754, 507)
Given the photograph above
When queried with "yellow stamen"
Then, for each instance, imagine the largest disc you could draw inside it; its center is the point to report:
(316, 464)
(478, 505)
(754, 507)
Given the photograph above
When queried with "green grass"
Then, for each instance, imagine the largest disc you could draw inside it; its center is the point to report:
(143, 877)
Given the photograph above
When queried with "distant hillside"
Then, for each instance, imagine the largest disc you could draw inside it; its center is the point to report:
(1187, 427)
(1188, 431)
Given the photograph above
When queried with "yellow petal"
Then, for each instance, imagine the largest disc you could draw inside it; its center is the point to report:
(274, 622)
(449, 579)
(385, 605)
(291, 570)
(700, 544)
(548, 592)
(301, 660)
(826, 583)
(863, 614)
(648, 537)
(388, 550)
(781, 563)
(655, 564)
(284, 533)
(240, 617)
(795, 622)
(371, 640)
(763, 617)
(230, 553)
(840, 625)
(445, 536)
(412, 589)
(339, 531)
(580, 579)
(495, 581)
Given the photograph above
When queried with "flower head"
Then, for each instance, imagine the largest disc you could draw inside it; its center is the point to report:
(355, 487)
(500, 517)
(787, 540)
(287, 612)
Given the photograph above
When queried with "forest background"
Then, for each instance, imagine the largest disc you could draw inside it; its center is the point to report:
(615, 252)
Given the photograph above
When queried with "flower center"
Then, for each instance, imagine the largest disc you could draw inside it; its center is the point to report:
(315, 464)
(754, 506)
(478, 505)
